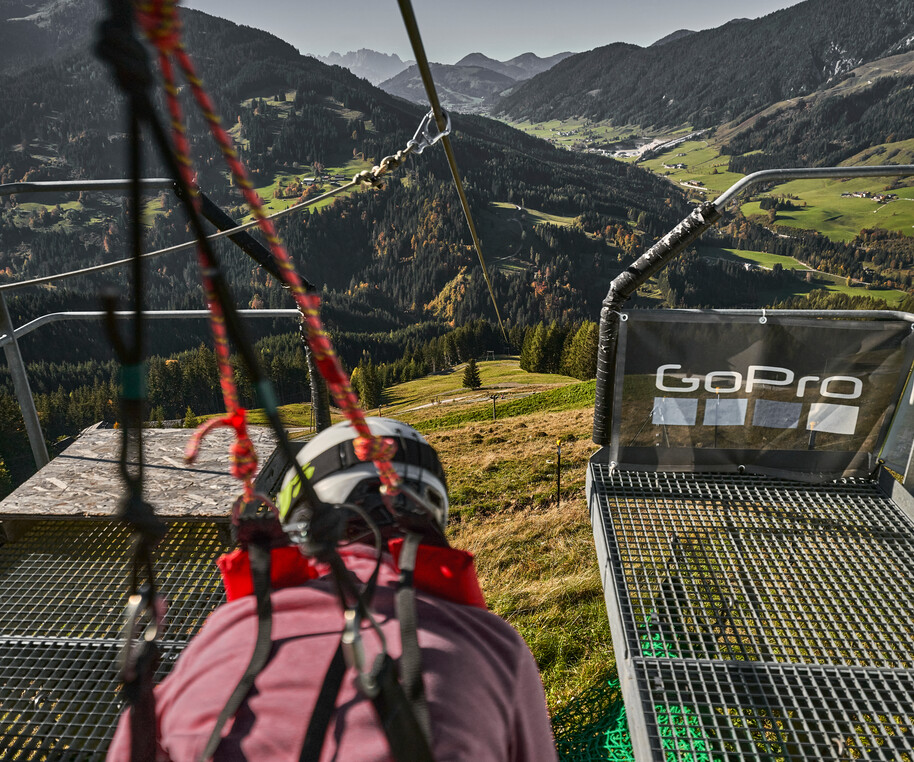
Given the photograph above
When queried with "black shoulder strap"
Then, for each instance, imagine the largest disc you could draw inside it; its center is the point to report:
(411, 659)
(142, 704)
(400, 704)
(324, 709)
(405, 736)
(259, 554)
(330, 690)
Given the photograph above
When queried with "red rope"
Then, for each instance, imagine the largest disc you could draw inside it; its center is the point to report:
(244, 460)
(159, 19)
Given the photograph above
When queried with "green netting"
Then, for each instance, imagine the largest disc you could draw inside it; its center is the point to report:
(593, 727)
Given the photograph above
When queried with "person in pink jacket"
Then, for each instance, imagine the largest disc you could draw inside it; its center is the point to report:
(479, 698)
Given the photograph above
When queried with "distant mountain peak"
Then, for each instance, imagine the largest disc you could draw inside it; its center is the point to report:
(473, 82)
(368, 64)
(672, 37)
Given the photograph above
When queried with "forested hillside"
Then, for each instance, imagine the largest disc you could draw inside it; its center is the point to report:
(395, 265)
(722, 74)
(826, 130)
(395, 256)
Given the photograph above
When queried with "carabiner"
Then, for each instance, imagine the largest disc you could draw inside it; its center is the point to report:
(354, 653)
(144, 602)
(424, 138)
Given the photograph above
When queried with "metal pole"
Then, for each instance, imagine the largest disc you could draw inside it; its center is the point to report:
(22, 389)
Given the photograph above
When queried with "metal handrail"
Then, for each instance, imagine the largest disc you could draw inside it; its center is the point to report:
(57, 317)
(70, 186)
(9, 337)
(669, 247)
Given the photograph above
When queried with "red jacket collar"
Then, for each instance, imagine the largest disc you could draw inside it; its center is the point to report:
(446, 573)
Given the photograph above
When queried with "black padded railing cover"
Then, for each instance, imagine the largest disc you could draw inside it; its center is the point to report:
(62, 597)
(759, 619)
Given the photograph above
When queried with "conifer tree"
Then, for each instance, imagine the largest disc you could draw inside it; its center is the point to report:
(6, 482)
(537, 352)
(190, 419)
(471, 379)
(526, 345)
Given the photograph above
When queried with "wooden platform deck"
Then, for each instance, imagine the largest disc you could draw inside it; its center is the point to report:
(84, 481)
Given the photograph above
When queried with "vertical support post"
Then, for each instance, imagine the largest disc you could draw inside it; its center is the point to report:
(494, 414)
(22, 388)
(908, 479)
(320, 396)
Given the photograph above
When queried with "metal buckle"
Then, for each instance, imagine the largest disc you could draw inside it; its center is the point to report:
(143, 602)
(424, 137)
(354, 653)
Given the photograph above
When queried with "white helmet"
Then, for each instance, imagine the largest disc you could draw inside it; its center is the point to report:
(339, 477)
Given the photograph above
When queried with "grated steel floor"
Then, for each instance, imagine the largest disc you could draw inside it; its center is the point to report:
(62, 598)
(756, 618)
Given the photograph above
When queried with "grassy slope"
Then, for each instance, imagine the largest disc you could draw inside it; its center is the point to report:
(705, 174)
(818, 279)
(826, 211)
(536, 559)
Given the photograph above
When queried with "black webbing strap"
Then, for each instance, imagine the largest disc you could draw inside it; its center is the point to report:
(139, 695)
(260, 572)
(324, 708)
(411, 658)
(404, 734)
(402, 712)
(330, 690)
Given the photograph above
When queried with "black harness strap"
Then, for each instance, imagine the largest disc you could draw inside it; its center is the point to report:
(330, 690)
(139, 694)
(118, 46)
(324, 708)
(404, 734)
(400, 705)
(259, 553)
(411, 658)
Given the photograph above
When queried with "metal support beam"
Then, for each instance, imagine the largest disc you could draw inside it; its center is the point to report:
(22, 389)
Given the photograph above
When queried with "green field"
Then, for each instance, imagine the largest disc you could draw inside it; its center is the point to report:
(703, 164)
(533, 216)
(818, 279)
(576, 132)
(347, 170)
(502, 226)
(825, 209)
(569, 132)
(842, 218)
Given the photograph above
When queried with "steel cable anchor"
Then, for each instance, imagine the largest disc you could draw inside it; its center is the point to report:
(424, 137)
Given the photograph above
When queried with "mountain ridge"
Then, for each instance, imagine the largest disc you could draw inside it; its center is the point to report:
(367, 64)
(737, 68)
(473, 83)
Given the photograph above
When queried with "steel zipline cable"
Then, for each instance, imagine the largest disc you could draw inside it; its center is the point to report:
(365, 177)
(415, 39)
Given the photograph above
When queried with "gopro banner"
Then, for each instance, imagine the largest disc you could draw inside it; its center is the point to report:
(807, 398)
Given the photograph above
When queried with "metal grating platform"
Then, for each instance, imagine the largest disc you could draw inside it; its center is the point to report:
(759, 619)
(62, 598)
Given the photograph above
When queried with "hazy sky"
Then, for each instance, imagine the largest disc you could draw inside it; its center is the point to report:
(500, 29)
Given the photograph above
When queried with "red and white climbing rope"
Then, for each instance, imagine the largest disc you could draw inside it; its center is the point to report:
(159, 19)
